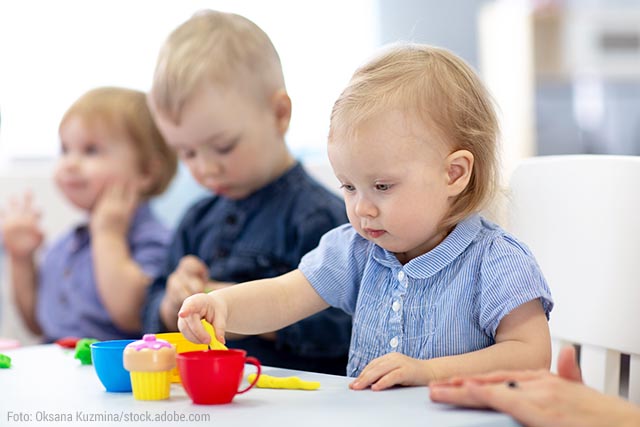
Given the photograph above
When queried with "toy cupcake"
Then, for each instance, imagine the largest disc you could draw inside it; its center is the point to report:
(150, 362)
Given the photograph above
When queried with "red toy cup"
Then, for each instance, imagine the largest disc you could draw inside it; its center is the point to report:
(213, 376)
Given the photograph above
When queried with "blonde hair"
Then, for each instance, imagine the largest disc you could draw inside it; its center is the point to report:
(219, 48)
(125, 111)
(442, 90)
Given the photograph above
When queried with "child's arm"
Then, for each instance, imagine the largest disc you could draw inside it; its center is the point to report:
(522, 342)
(120, 280)
(24, 277)
(250, 308)
(22, 237)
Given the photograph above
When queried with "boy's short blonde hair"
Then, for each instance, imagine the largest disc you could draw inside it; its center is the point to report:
(125, 111)
(440, 89)
(217, 47)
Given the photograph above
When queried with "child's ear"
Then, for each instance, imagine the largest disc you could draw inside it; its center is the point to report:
(147, 179)
(281, 105)
(459, 168)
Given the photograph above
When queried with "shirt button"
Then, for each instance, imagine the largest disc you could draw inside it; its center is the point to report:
(394, 342)
(400, 276)
(395, 306)
(231, 219)
(222, 253)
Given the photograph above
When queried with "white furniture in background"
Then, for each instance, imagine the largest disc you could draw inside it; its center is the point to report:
(580, 215)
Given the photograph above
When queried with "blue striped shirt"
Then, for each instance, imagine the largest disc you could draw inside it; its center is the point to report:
(446, 302)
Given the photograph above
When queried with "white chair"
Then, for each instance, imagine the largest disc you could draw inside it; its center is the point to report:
(580, 215)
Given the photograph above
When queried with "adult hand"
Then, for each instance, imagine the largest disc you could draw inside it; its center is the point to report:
(21, 231)
(539, 398)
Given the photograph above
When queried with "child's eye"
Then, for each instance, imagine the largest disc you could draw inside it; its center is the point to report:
(382, 187)
(187, 154)
(348, 188)
(226, 149)
(91, 149)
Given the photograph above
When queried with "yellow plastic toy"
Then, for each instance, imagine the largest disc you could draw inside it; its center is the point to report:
(289, 383)
(214, 344)
(183, 345)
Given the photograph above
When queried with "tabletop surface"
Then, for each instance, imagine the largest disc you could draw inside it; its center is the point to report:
(47, 386)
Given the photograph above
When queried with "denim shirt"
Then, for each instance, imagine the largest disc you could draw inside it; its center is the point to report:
(264, 235)
(68, 300)
(445, 302)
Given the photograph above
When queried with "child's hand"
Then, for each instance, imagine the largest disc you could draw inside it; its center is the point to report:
(392, 369)
(202, 306)
(20, 226)
(188, 279)
(115, 208)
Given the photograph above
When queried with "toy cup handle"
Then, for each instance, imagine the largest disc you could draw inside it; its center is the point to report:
(255, 362)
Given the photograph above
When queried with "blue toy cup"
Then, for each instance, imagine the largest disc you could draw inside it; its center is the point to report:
(107, 361)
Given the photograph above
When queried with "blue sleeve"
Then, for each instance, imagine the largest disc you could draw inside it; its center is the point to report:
(327, 333)
(149, 248)
(335, 267)
(510, 277)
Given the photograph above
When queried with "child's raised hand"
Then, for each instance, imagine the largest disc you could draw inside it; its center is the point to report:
(202, 306)
(115, 208)
(20, 226)
(392, 369)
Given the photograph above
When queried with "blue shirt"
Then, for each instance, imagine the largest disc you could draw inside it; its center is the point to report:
(68, 301)
(265, 235)
(446, 302)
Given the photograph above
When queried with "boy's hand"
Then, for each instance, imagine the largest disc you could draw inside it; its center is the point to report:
(20, 226)
(115, 208)
(188, 279)
(392, 369)
(202, 306)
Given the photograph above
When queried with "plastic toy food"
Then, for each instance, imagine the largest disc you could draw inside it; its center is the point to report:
(68, 342)
(83, 350)
(150, 362)
(5, 361)
(291, 383)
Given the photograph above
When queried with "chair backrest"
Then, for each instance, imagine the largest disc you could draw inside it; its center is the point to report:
(580, 215)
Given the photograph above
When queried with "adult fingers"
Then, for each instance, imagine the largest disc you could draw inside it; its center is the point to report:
(510, 400)
(568, 364)
(459, 396)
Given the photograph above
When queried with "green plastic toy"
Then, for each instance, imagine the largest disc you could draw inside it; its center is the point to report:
(83, 350)
(5, 361)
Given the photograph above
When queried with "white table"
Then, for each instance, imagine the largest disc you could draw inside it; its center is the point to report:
(45, 384)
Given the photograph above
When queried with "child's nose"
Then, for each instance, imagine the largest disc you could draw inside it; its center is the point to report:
(208, 166)
(70, 161)
(364, 207)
